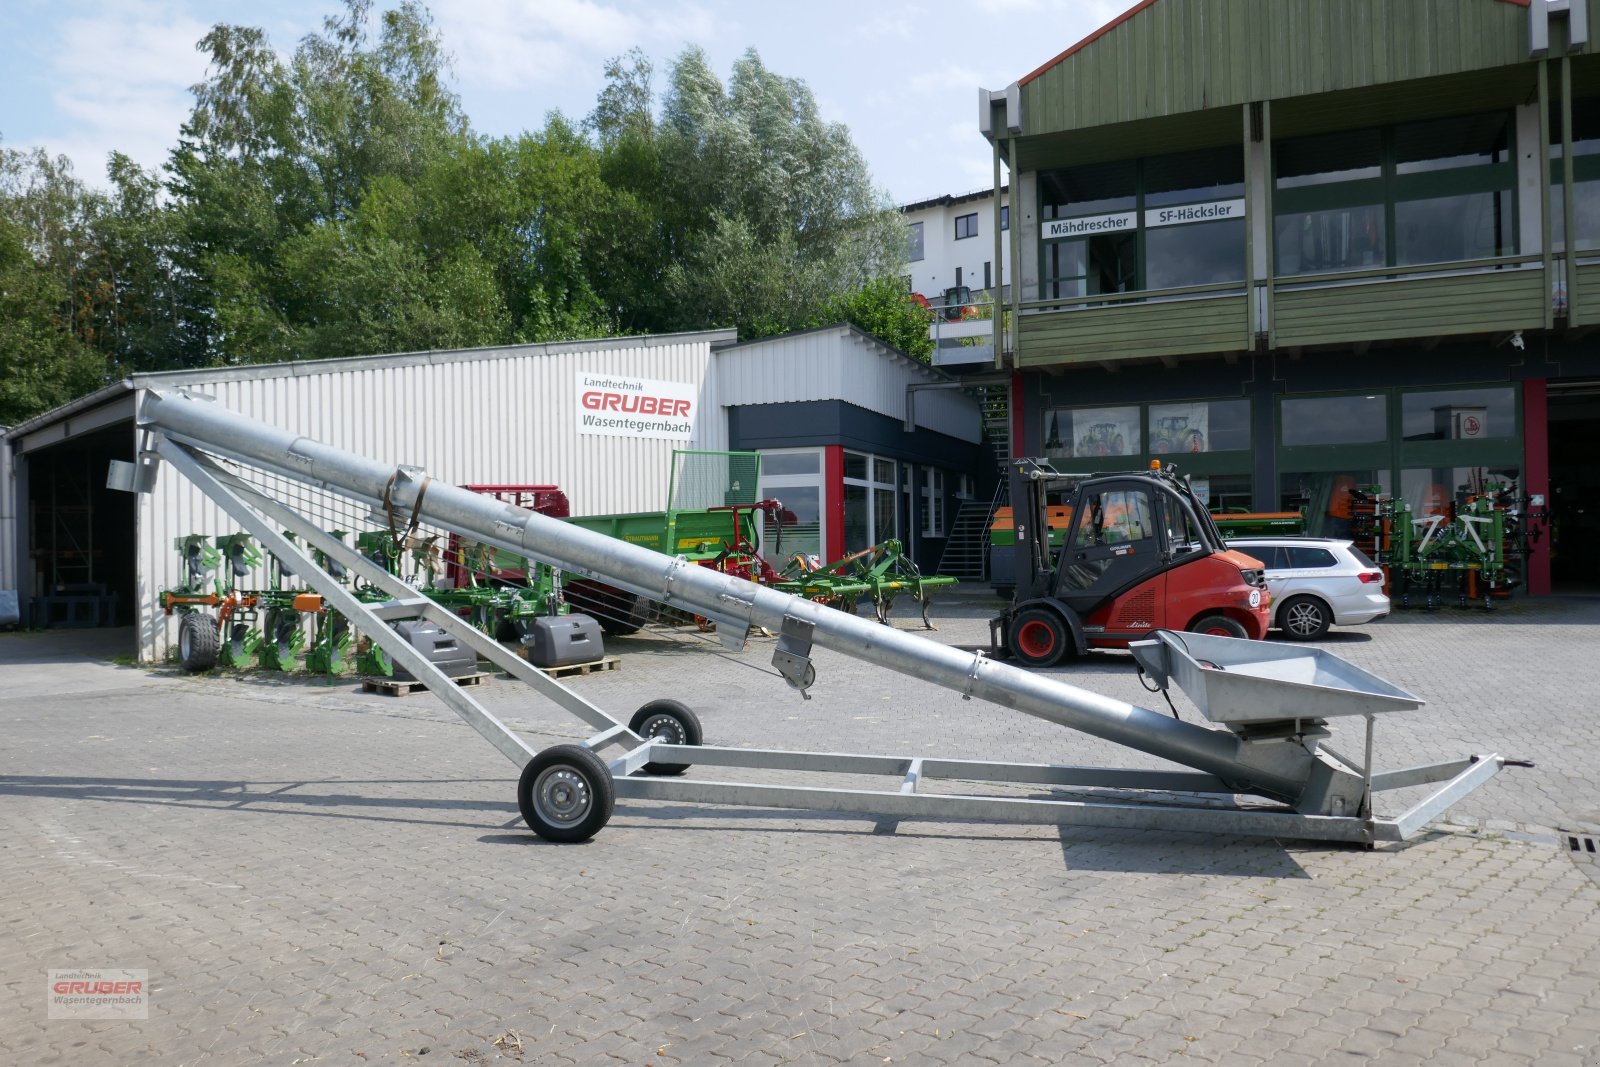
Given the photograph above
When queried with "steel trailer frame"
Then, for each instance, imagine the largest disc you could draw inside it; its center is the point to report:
(1323, 796)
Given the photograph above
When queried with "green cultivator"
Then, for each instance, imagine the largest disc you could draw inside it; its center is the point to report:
(878, 574)
(1470, 551)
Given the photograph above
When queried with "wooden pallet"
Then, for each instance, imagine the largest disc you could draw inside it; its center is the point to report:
(604, 663)
(395, 688)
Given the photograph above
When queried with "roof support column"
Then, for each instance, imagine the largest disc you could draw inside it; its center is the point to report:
(1001, 272)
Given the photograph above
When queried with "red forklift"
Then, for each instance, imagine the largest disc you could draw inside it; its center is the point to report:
(1139, 553)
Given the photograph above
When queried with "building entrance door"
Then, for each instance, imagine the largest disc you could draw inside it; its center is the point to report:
(1574, 500)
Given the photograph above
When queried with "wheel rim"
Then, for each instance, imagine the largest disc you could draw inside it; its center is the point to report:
(1304, 618)
(1218, 631)
(665, 727)
(561, 796)
(1035, 639)
(185, 642)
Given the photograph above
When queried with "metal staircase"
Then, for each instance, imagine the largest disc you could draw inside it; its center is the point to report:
(966, 549)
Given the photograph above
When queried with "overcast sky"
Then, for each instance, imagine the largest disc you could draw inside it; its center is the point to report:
(84, 77)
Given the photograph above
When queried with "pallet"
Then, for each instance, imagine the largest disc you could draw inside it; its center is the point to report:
(392, 687)
(604, 663)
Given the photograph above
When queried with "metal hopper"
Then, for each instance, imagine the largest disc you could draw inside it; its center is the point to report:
(1234, 681)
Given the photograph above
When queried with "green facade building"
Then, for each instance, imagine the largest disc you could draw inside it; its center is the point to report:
(1294, 245)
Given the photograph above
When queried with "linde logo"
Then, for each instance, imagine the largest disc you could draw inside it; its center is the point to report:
(635, 407)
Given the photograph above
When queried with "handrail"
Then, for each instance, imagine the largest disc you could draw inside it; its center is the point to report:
(1475, 266)
(1231, 288)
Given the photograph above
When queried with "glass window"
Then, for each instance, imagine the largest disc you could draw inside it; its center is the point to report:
(1115, 517)
(933, 503)
(1458, 414)
(1092, 432)
(883, 470)
(884, 518)
(1452, 228)
(1005, 217)
(1434, 490)
(967, 226)
(1089, 190)
(1302, 557)
(1202, 426)
(777, 464)
(855, 465)
(1352, 155)
(1427, 192)
(914, 242)
(1345, 238)
(1585, 177)
(857, 519)
(1221, 493)
(1066, 270)
(798, 528)
(1202, 253)
(1335, 420)
(1187, 177)
(1327, 498)
(1448, 144)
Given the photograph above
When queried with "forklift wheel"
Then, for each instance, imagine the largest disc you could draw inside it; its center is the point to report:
(1220, 626)
(1038, 638)
(671, 721)
(565, 794)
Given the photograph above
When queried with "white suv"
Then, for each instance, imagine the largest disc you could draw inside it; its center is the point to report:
(1317, 582)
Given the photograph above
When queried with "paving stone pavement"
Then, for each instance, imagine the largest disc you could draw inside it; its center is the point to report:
(313, 875)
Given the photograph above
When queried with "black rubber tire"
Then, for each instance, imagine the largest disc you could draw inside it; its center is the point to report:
(1304, 618)
(198, 641)
(1219, 626)
(672, 720)
(565, 794)
(1038, 637)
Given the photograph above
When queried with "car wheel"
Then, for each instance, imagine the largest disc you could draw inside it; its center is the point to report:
(1304, 618)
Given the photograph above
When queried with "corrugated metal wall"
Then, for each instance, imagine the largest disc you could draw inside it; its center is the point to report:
(841, 364)
(495, 416)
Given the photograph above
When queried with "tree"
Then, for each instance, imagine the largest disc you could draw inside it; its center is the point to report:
(884, 309)
(48, 288)
(757, 213)
(310, 198)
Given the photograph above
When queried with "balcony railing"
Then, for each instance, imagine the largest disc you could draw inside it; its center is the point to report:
(963, 333)
(1423, 300)
(1481, 296)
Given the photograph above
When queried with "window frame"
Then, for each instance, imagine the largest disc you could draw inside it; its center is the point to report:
(972, 219)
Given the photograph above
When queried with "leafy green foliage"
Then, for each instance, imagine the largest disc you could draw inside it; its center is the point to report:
(884, 309)
(335, 201)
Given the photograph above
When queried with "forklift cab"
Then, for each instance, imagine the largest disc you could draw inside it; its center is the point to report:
(1123, 531)
(1140, 553)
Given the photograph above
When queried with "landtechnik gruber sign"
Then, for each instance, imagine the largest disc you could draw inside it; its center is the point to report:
(613, 406)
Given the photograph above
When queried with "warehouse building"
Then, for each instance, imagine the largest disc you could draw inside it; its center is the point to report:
(601, 419)
(1313, 244)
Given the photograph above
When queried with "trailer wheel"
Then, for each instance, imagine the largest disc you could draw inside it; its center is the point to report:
(1304, 618)
(565, 794)
(671, 721)
(1220, 626)
(197, 642)
(1038, 638)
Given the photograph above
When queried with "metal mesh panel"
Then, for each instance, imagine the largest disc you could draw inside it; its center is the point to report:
(713, 479)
